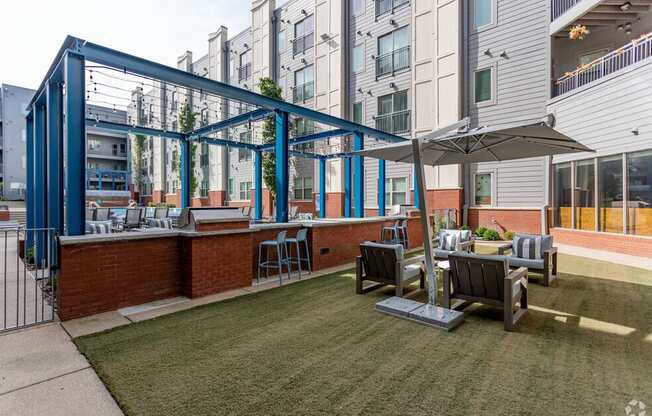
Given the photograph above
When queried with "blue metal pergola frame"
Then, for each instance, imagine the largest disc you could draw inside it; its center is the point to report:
(48, 141)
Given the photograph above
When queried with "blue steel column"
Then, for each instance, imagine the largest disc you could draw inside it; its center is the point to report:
(258, 185)
(322, 188)
(282, 157)
(186, 171)
(381, 188)
(347, 187)
(75, 172)
(29, 191)
(40, 176)
(358, 144)
(416, 188)
(54, 157)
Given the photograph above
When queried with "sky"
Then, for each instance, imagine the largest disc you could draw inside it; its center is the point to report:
(32, 31)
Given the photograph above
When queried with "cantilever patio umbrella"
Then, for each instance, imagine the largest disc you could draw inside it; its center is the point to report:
(484, 144)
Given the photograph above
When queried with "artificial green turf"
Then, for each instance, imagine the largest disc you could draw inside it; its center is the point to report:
(316, 348)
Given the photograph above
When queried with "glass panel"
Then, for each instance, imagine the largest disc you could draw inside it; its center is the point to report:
(483, 85)
(563, 195)
(483, 189)
(309, 74)
(400, 101)
(399, 185)
(281, 40)
(482, 12)
(358, 58)
(357, 113)
(401, 38)
(639, 196)
(385, 44)
(585, 195)
(357, 7)
(385, 105)
(610, 182)
(399, 198)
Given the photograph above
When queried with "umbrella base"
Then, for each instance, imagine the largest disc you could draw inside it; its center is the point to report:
(434, 316)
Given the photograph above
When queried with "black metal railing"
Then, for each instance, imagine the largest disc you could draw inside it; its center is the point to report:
(304, 92)
(559, 7)
(244, 72)
(387, 6)
(395, 123)
(303, 43)
(392, 62)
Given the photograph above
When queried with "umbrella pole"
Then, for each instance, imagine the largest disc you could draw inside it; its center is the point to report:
(425, 221)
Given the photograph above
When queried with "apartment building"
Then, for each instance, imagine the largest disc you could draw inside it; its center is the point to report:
(412, 66)
(13, 101)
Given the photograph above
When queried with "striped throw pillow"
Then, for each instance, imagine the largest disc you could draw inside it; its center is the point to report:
(159, 223)
(99, 227)
(527, 247)
(447, 241)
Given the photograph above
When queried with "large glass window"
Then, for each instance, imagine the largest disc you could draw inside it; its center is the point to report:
(610, 193)
(303, 188)
(395, 191)
(357, 7)
(393, 114)
(393, 52)
(304, 84)
(358, 58)
(482, 189)
(358, 114)
(482, 12)
(639, 193)
(563, 203)
(304, 37)
(244, 154)
(245, 187)
(245, 66)
(483, 85)
(585, 195)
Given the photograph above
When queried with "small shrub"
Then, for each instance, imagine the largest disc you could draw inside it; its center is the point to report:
(29, 255)
(480, 231)
(465, 227)
(491, 235)
(508, 235)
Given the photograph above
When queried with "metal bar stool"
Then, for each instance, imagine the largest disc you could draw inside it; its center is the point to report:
(392, 230)
(281, 247)
(402, 231)
(300, 240)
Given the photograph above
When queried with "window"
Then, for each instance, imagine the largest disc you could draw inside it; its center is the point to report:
(94, 144)
(244, 155)
(304, 84)
(245, 187)
(115, 149)
(358, 58)
(358, 113)
(483, 13)
(123, 148)
(588, 57)
(563, 189)
(244, 72)
(231, 186)
(203, 189)
(610, 193)
(639, 193)
(303, 188)
(393, 114)
(175, 161)
(387, 6)
(203, 117)
(303, 127)
(585, 195)
(281, 41)
(304, 37)
(396, 191)
(483, 86)
(393, 52)
(204, 158)
(483, 189)
(357, 7)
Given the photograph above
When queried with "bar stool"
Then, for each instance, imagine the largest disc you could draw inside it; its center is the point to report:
(281, 247)
(398, 233)
(300, 240)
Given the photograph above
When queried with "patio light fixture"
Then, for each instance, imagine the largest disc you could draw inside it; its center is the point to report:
(625, 6)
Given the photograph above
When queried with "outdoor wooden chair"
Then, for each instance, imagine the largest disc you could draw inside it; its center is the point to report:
(385, 264)
(534, 252)
(486, 279)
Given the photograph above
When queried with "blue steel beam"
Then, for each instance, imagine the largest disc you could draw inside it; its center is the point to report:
(54, 117)
(358, 144)
(56, 70)
(225, 142)
(258, 185)
(307, 155)
(29, 192)
(126, 128)
(186, 172)
(416, 188)
(139, 66)
(311, 138)
(282, 172)
(347, 187)
(75, 145)
(231, 122)
(40, 177)
(381, 187)
(322, 188)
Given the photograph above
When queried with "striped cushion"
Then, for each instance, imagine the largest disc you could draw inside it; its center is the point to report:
(447, 241)
(527, 247)
(99, 227)
(159, 223)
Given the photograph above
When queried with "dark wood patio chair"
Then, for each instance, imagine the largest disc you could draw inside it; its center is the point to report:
(385, 264)
(487, 280)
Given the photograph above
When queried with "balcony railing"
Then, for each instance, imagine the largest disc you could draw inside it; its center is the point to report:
(304, 92)
(303, 43)
(559, 7)
(244, 72)
(635, 51)
(386, 6)
(395, 123)
(392, 62)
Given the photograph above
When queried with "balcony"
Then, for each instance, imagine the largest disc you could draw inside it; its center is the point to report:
(559, 7)
(303, 92)
(303, 43)
(634, 52)
(388, 6)
(395, 123)
(244, 72)
(393, 62)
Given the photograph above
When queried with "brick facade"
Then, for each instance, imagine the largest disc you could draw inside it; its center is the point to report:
(217, 198)
(158, 197)
(518, 220)
(619, 243)
(4, 215)
(334, 204)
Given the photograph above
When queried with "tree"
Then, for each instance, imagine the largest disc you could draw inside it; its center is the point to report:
(187, 119)
(270, 89)
(139, 146)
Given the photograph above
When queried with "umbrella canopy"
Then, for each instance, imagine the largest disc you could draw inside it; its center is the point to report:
(484, 144)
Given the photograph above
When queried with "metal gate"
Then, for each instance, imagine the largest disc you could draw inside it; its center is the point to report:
(28, 278)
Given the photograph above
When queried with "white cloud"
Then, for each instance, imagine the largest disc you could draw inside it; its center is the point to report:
(160, 30)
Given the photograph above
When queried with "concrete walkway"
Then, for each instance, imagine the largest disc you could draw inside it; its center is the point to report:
(42, 373)
(608, 256)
